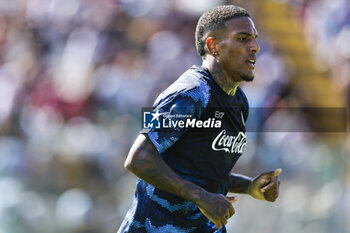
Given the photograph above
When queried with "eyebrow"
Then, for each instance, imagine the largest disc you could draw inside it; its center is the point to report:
(247, 34)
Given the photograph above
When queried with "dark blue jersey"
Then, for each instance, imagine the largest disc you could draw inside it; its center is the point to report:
(203, 150)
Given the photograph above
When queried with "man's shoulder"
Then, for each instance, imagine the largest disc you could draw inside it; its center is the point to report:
(195, 84)
(243, 99)
(195, 78)
(241, 93)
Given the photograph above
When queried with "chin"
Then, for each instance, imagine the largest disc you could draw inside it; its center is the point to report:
(247, 78)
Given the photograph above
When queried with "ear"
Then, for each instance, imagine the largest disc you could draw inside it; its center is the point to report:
(211, 46)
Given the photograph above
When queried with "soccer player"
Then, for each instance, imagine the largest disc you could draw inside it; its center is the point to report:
(185, 170)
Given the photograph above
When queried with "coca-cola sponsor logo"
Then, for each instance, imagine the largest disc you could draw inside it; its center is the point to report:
(229, 143)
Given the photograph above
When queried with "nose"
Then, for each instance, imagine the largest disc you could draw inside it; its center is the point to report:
(254, 47)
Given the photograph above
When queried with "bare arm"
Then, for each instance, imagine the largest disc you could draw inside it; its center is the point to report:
(263, 187)
(239, 183)
(144, 161)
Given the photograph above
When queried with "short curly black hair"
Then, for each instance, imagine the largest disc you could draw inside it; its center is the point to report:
(214, 20)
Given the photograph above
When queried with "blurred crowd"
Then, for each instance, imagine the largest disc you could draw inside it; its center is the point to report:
(74, 75)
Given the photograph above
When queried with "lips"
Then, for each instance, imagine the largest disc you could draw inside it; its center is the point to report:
(251, 62)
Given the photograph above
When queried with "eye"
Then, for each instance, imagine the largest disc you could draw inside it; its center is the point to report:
(242, 38)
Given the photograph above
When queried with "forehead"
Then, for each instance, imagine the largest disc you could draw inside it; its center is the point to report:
(240, 24)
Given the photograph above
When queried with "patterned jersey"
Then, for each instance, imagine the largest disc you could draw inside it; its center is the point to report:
(203, 149)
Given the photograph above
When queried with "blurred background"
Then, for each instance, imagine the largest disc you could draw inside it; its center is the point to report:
(74, 75)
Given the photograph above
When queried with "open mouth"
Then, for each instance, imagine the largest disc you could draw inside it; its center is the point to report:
(251, 63)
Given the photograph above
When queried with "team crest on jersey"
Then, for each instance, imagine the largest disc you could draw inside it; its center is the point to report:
(229, 143)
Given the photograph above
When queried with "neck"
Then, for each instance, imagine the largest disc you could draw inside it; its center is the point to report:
(224, 81)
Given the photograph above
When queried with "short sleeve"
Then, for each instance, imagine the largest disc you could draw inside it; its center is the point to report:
(175, 107)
